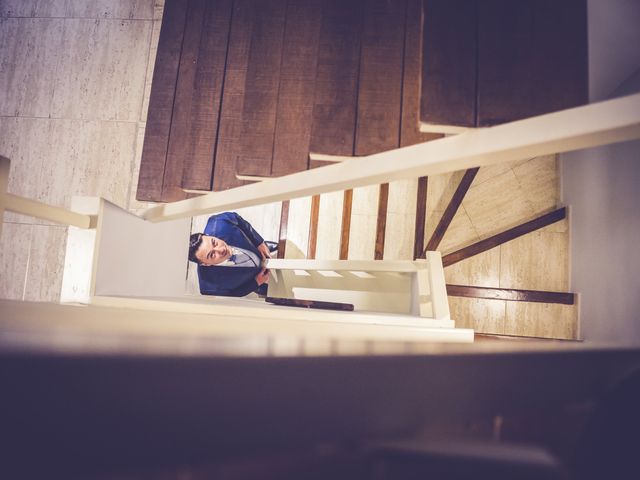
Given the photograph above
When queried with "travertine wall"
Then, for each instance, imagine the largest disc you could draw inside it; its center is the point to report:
(74, 84)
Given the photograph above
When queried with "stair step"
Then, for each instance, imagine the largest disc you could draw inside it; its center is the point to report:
(491, 62)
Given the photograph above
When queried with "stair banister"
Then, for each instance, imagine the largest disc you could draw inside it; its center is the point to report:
(587, 126)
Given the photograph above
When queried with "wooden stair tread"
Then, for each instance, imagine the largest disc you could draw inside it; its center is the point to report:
(494, 61)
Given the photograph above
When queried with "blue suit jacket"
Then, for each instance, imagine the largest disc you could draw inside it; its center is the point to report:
(230, 281)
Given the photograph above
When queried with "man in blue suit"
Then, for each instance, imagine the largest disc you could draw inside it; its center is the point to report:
(230, 255)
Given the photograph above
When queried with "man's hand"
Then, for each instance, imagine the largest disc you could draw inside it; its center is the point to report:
(262, 277)
(264, 251)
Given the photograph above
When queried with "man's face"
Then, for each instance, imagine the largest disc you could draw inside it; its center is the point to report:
(212, 251)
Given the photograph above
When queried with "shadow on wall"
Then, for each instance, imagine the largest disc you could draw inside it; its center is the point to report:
(601, 185)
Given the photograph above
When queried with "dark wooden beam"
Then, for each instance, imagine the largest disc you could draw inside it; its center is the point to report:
(294, 113)
(421, 217)
(313, 226)
(511, 294)
(381, 225)
(336, 81)
(297, 302)
(161, 102)
(380, 80)
(552, 74)
(449, 87)
(262, 87)
(282, 234)
(503, 237)
(204, 54)
(346, 224)
(251, 86)
(450, 211)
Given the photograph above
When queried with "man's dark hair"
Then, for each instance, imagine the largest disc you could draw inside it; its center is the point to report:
(194, 243)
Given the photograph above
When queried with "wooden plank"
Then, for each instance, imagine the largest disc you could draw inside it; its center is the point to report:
(452, 208)
(282, 233)
(503, 237)
(180, 131)
(230, 122)
(381, 224)
(313, 226)
(449, 63)
(511, 294)
(380, 83)
(412, 78)
(592, 125)
(206, 96)
(258, 121)
(421, 217)
(532, 58)
(296, 302)
(163, 87)
(296, 90)
(336, 86)
(247, 119)
(346, 224)
(195, 114)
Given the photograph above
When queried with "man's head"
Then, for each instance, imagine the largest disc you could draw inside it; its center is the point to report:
(208, 250)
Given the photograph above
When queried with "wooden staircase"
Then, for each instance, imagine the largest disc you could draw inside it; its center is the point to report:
(250, 89)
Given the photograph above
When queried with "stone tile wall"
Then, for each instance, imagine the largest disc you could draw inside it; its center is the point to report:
(74, 86)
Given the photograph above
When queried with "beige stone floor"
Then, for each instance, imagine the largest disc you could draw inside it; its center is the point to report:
(75, 80)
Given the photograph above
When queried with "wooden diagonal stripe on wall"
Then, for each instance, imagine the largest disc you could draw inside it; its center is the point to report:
(450, 211)
(511, 294)
(503, 237)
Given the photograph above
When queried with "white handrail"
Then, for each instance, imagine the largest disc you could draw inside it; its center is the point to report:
(33, 208)
(591, 125)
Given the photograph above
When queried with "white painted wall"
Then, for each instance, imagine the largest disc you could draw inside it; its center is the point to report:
(603, 187)
(614, 40)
